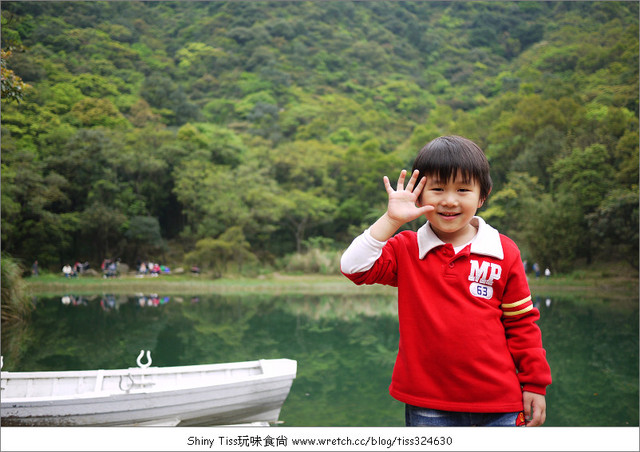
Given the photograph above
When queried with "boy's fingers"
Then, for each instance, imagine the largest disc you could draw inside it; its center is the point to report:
(401, 180)
(527, 413)
(412, 180)
(534, 414)
(539, 415)
(420, 185)
(425, 209)
(387, 184)
(411, 185)
(536, 419)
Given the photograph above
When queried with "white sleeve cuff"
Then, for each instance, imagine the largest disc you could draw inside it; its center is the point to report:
(363, 252)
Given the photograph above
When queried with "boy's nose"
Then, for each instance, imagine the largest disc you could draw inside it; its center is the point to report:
(450, 200)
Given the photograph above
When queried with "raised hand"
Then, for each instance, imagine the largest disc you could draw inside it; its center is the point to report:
(402, 201)
(402, 206)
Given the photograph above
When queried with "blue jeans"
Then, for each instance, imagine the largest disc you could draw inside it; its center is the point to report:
(426, 417)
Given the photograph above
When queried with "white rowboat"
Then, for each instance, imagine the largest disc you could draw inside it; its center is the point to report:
(202, 395)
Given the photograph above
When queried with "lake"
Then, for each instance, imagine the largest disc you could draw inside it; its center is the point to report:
(345, 347)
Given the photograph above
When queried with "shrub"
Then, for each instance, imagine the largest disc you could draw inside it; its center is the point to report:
(315, 260)
(16, 304)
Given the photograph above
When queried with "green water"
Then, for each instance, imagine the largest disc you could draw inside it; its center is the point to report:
(345, 348)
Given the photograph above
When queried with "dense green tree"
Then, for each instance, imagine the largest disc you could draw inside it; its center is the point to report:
(306, 172)
(584, 178)
(519, 128)
(538, 155)
(30, 224)
(555, 233)
(615, 224)
(144, 239)
(12, 86)
(510, 209)
(217, 254)
(209, 197)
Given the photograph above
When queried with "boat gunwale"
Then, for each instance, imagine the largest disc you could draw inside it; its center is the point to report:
(262, 364)
(271, 369)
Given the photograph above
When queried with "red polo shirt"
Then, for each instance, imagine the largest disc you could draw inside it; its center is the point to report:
(468, 338)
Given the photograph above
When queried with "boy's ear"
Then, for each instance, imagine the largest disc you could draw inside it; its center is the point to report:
(481, 202)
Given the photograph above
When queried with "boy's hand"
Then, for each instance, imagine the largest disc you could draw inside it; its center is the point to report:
(535, 409)
(402, 201)
(402, 206)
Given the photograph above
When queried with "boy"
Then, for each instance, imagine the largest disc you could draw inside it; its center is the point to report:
(470, 352)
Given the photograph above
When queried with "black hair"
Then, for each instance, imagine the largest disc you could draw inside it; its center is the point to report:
(444, 156)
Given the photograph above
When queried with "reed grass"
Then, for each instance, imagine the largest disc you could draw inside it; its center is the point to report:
(15, 302)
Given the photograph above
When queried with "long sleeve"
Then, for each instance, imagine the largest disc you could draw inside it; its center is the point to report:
(525, 344)
(361, 254)
(369, 261)
(524, 337)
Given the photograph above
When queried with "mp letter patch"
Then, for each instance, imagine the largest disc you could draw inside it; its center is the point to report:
(483, 275)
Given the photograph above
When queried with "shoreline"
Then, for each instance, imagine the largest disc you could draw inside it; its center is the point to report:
(273, 284)
(609, 288)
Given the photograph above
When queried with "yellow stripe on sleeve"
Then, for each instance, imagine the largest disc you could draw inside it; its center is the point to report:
(517, 303)
(521, 311)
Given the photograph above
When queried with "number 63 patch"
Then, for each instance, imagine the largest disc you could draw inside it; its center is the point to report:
(481, 290)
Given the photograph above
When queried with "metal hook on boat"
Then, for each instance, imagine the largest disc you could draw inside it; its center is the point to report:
(139, 360)
(130, 385)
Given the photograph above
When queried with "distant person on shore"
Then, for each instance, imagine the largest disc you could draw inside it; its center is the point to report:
(34, 268)
(536, 269)
(547, 272)
(461, 291)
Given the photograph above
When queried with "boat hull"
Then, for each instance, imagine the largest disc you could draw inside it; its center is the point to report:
(221, 396)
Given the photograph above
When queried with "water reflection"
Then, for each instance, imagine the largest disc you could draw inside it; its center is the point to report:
(74, 300)
(110, 302)
(345, 347)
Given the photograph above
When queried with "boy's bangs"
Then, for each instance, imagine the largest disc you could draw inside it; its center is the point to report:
(445, 163)
(447, 174)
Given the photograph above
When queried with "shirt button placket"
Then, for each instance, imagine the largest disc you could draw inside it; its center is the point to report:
(450, 264)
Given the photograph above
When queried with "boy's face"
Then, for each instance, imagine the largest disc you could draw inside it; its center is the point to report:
(456, 201)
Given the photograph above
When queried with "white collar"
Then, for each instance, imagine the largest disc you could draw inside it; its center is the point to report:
(486, 241)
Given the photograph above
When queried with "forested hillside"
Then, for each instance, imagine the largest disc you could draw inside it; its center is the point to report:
(221, 134)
